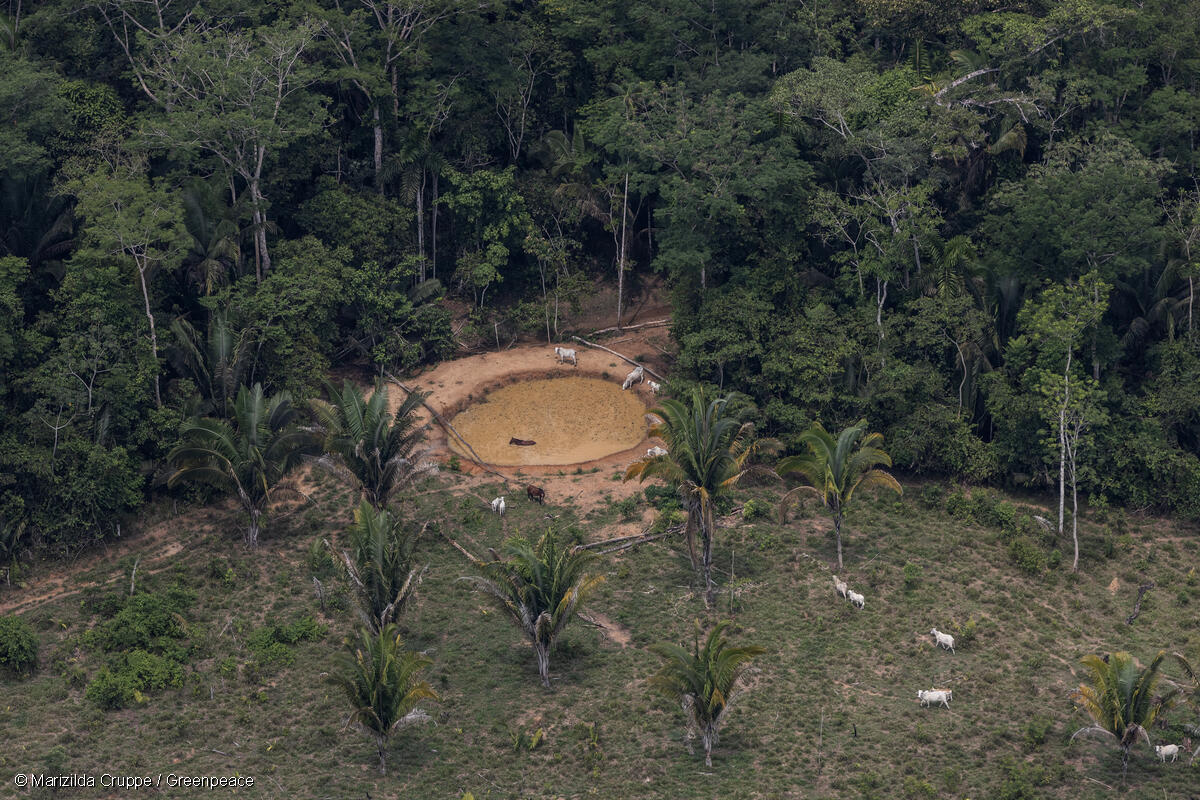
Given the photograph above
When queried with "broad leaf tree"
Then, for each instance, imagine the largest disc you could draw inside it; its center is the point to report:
(238, 97)
(128, 218)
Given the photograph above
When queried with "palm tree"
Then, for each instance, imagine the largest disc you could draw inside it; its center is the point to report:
(705, 681)
(1191, 693)
(250, 457)
(707, 454)
(1120, 699)
(540, 587)
(214, 253)
(11, 532)
(382, 682)
(380, 564)
(365, 441)
(218, 362)
(834, 469)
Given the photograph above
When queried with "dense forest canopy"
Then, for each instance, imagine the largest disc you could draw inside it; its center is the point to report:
(975, 224)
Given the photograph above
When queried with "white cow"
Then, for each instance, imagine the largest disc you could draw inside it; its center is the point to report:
(840, 586)
(634, 377)
(943, 696)
(1164, 750)
(856, 598)
(656, 451)
(654, 387)
(566, 354)
(943, 639)
(498, 505)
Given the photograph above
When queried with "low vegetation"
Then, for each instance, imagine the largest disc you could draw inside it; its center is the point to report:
(831, 710)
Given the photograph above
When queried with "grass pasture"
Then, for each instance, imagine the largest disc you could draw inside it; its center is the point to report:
(833, 711)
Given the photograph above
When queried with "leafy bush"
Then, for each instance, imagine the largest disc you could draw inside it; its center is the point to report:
(755, 509)
(18, 646)
(271, 645)
(1036, 730)
(965, 633)
(127, 679)
(1026, 554)
(959, 504)
(627, 508)
(912, 576)
(151, 621)
(932, 496)
(662, 497)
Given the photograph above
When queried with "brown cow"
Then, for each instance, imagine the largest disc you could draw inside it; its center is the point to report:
(522, 442)
(536, 493)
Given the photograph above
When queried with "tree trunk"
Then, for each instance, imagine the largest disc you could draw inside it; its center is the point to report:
(381, 745)
(543, 662)
(378, 152)
(153, 337)
(1074, 515)
(1062, 442)
(421, 225)
(621, 253)
(433, 215)
(707, 738)
(252, 530)
(837, 529)
(706, 541)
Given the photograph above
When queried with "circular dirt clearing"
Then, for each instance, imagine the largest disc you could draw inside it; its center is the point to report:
(572, 420)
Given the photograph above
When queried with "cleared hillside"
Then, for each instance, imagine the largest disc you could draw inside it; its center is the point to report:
(833, 712)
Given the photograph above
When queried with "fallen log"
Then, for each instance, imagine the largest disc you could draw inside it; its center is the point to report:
(634, 543)
(655, 324)
(1137, 608)
(618, 355)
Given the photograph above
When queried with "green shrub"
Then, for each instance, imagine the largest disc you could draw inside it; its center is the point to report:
(662, 497)
(271, 645)
(965, 633)
(932, 496)
(1054, 560)
(1026, 554)
(1036, 730)
(912, 576)
(18, 646)
(627, 508)
(127, 679)
(755, 509)
(958, 504)
(151, 622)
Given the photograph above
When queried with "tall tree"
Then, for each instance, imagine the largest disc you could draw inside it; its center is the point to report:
(249, 455)
(238, 97)
(540, 587)
(129, 218)
(1120, 699)
(382, 681)
(1059, 322)
(835, 469)
(708, 452)
(705, 682)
